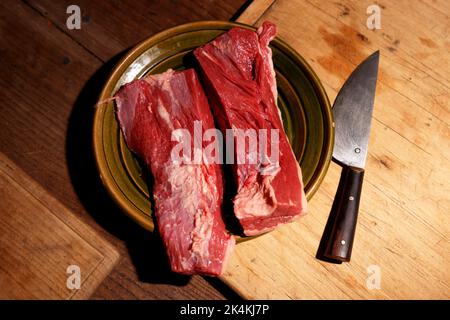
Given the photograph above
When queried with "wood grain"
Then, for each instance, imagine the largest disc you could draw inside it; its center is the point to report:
(109, 27)
(40, 239)
(255, 11)
(49, 82)
(403, 225)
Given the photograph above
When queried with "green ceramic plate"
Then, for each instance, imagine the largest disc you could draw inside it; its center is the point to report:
(303, 102)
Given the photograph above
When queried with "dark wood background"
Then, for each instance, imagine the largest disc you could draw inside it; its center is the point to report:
(50, 78)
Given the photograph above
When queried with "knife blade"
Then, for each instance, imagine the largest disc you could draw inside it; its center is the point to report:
(352, 111)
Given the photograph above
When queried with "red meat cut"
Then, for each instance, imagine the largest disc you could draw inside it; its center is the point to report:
(188, 197)
(239, 78)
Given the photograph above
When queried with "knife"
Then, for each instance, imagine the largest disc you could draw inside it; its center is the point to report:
(352, 111)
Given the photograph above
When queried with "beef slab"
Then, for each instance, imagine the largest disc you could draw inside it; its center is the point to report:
(188, 197)
(240, 80)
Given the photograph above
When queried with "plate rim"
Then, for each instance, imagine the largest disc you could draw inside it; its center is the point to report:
(107, 177)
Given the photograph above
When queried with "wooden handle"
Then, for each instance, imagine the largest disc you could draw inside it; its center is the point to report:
(339, 242)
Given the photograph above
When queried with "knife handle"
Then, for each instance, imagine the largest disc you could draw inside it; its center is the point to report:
(340, 240)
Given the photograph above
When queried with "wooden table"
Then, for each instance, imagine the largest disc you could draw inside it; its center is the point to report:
(50, 79)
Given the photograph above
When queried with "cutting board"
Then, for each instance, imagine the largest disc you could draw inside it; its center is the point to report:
(45, 251)
(402, 248)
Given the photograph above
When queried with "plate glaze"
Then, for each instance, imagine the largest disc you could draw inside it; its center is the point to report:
(304, 106)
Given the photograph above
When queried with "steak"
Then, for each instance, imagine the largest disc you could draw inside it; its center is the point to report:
(187, 196)
(239, 78)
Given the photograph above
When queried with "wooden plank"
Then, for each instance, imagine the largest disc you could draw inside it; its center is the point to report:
(43, 73)
(442, 6)
(254, 11)
(109, 27)
(403, 226)
(433, 139)
(419, 56)
(40, 239)
(397, 111)
(49, 84)
(398, 18)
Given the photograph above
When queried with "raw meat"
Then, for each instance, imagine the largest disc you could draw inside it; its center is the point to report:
(239, 78)
(188, 197)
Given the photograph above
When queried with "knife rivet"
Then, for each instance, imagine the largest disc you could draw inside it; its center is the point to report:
(351, 198)
(357, 150)
(342, 242)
